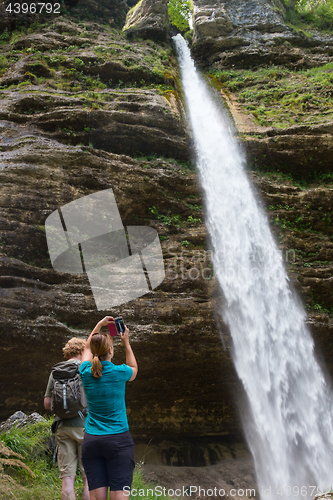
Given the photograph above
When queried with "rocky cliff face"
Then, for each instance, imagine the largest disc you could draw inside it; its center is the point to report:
(83, 109)
(249, 33)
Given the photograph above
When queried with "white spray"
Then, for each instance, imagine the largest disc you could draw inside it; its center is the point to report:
(289, 427)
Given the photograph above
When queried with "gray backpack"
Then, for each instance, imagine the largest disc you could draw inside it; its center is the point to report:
(68, 399)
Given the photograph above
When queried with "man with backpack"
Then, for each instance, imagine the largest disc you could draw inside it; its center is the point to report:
(65, 397)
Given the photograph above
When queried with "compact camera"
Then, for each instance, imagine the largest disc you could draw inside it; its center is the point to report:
(120, 326)
(117, 327)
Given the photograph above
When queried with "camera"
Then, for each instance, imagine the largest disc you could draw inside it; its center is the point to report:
(120, 326)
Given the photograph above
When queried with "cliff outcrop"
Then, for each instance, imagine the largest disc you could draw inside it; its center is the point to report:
(148, 19)
(246, 34)
(85, 108)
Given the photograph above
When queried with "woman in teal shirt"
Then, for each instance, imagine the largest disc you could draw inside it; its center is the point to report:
(108, 448)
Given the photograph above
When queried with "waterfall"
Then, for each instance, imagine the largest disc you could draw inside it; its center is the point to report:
(289, 425)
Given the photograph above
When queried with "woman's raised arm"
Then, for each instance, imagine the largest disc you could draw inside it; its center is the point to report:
(130, 358)
(87, 355)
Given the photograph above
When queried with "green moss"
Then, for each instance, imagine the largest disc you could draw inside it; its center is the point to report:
(3, 64)
(168, 94)
(4, 37)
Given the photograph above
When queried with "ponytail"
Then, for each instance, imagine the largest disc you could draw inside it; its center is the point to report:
(97, 367)
(99, 346)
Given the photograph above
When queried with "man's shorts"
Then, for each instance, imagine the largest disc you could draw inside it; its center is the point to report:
(108, 460)
(69, 441)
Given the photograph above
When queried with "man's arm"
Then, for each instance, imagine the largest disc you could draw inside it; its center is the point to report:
(48, 393)
(47, 403)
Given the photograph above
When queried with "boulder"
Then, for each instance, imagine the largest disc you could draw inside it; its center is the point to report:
(20, 419)
(148, 19)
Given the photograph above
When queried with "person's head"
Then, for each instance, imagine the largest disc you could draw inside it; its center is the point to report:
(74, 348)
(101, 346)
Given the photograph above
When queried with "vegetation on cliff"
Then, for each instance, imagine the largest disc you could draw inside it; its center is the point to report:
(81, 61)
(275, 96)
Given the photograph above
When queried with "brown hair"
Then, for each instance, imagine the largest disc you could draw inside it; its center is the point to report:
(99, 346)
(73, 348)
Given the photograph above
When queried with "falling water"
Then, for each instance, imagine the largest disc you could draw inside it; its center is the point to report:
(289, 427)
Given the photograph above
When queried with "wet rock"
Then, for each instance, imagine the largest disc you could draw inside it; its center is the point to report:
(227, 475)
(323, 496)
(38, 42)
(148, 19)
(303, 150)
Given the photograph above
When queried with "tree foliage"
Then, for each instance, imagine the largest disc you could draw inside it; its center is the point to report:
(179, 13)
(317, 12)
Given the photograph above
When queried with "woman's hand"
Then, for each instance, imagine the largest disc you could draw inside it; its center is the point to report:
(124, 336)
(105, 321)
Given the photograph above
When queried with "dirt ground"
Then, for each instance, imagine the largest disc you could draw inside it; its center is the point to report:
(230, 478)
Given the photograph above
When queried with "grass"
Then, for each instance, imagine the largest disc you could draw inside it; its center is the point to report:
(26, 470)
(186, 167)
(279, 97)
(33, 443)
(302, 180)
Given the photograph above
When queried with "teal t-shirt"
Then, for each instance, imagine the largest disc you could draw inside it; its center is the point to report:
(106, 398)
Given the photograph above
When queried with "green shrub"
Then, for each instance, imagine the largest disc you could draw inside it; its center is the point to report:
(323, 16)
(179, 13)
(4, 37)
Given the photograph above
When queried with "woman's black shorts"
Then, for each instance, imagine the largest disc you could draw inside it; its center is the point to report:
(108, 460)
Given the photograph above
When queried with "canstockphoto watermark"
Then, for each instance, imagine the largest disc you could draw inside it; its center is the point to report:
(200, 264)
(188, 491)
(87, 235)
